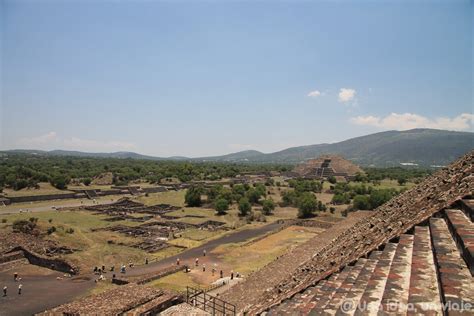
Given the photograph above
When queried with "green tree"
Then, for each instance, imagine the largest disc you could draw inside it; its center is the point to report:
(290, 198)
(253, 195)
(402, 180)
(307, 205)
(361, 202)
(192, 197)
(59, 182)
(268, 207)
(332, 179)
(379, 197)
(244, 206)
(221, 205)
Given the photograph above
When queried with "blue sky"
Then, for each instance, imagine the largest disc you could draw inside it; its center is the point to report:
(200, 78)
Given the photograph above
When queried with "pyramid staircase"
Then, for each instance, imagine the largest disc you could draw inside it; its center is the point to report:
(428, 270)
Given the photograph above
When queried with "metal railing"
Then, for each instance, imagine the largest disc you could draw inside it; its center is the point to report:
(211, 304)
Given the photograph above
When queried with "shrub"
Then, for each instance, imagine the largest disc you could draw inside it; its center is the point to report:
(51, 230)
(87, 181)
(332, 209)
(70, 231)
(4, 220)
(24, 226)
(332, 179)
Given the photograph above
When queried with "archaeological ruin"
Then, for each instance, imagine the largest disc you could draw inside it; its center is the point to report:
(326, 166)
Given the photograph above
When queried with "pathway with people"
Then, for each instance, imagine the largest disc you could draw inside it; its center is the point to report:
(51, 289)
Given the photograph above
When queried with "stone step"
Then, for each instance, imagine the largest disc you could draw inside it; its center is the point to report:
(325, 289)
(457, 283)
(330, 290)
(462, 231)
(395, 296)
(372, 295)
(341, 293)
(357, 290)
(300, 302)
(424, 291)
(467, 206)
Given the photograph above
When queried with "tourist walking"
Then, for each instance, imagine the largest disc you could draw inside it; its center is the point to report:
(222, 274)
(15, 276)
(177, 262)
(203, 268)
(204, 253)
(197, 262)
(5, 290)
(20, 286)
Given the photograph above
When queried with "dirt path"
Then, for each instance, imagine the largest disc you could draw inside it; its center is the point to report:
(45, 291)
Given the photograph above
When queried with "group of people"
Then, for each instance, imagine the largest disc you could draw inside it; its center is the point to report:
(213, 270)
(16, 278)
(123, 269)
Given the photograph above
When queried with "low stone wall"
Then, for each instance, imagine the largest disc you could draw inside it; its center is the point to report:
(50, 263)
(154, 189)
(161, 274)
(46, 197)
(11, 256)
(109, 192)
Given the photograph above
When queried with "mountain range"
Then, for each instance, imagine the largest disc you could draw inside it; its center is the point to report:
(423, 147)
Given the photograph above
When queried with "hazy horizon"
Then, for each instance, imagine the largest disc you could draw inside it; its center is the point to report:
(199, 78)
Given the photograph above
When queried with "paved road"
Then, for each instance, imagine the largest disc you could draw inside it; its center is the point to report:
(44, 292)
(48, 205)
(39, 292)
(196, 252)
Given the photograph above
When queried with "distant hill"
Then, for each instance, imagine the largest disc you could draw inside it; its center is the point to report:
(69, 153)
(241, 156)
(424, 147)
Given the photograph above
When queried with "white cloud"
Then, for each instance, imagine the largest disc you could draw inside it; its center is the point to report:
(346, 94)
(52, 140)
(314, 94)
(406, 121)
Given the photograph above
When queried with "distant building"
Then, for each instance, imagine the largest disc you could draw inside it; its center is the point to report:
(326, 166)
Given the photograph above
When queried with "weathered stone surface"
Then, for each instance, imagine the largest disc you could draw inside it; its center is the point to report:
(123, 299)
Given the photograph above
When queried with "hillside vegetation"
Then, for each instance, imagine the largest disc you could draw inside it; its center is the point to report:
(424, 147)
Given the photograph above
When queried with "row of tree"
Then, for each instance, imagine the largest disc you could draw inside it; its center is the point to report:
(18, 171)
(363, 197)
(221, 198)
